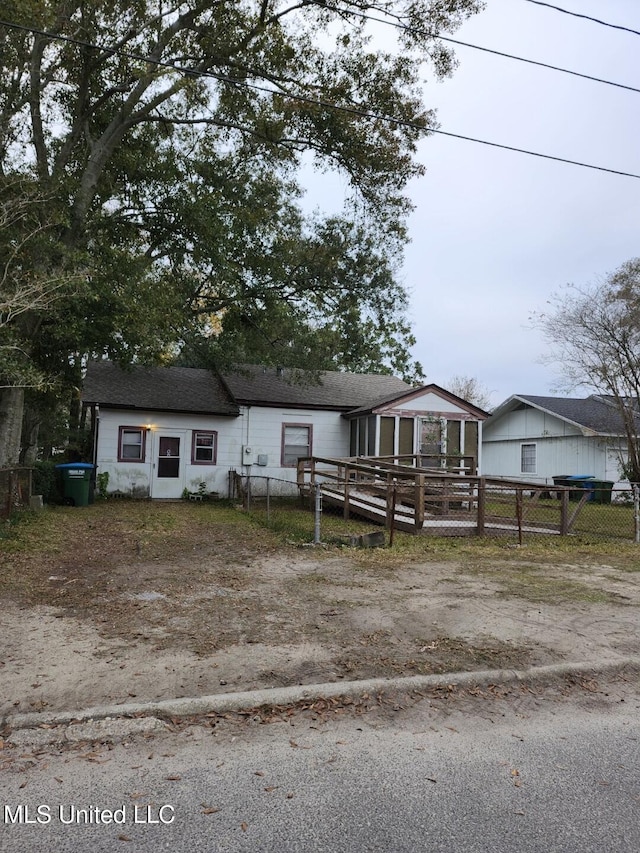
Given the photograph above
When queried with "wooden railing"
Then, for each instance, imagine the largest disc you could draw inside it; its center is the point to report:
(443, 462)
(406, 497)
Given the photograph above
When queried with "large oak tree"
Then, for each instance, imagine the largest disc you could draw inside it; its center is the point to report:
(165, 142)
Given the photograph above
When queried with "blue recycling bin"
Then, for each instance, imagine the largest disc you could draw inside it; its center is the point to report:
(76, 482)
(582, 482)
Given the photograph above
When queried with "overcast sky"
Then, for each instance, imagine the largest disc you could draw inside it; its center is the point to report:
(495, 233)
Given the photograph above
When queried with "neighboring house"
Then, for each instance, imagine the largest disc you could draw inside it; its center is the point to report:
(160, 430)
(539, 438)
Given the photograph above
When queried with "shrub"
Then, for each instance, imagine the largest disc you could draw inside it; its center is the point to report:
(47, 482)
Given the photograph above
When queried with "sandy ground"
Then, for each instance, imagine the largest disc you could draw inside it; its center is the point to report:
(117, 624)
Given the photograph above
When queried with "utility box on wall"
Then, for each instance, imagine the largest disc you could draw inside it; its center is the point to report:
(247, 455)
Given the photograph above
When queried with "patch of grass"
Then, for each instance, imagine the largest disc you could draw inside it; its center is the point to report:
(529, 581)
(291, 523)
(312, 578)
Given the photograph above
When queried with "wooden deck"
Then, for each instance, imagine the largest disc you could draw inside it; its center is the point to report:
(431, 501)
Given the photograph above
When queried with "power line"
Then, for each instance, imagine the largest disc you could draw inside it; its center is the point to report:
(558, 68)
(541, 64)
(537, 154)
(585, 17)
(307, 100)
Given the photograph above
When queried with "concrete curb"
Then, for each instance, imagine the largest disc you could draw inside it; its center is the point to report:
(226, 702)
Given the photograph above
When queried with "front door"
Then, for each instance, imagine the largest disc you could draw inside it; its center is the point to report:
(431, 443)
(168, 464)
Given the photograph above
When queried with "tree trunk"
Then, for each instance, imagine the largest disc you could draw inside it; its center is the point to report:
(11, 413)
(29, 450)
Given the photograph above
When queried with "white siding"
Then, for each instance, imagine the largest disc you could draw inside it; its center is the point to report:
(527, 424)
(561, 448)
(554, 457)
(137, 477)
(262, 433)
(427, 403)
(257, 429)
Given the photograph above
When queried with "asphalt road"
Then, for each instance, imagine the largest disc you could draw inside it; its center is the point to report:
(545, 774)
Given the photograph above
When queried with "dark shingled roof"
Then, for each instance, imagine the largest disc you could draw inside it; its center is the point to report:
(592, 413)
(171, 389)
(266, 386)
(187, 389)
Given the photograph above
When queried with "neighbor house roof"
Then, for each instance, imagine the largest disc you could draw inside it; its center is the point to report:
(267, 386)
(171, 389)
(593, 414)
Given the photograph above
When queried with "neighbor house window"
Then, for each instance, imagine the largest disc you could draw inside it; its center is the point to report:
(131, 444)
(528, 458)
(296, 443)
(204, 447)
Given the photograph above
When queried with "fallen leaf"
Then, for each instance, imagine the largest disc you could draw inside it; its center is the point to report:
(243, 826)
(293, 744)
(173, 778)
(210, 810)
(271, 788)
(290, 795)
(258, 773)
(123, 838)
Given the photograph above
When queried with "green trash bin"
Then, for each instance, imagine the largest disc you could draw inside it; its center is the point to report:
(76, 482)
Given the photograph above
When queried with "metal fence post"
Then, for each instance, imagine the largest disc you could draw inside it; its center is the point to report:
(268, 502)
(316, 530)
(636, 512)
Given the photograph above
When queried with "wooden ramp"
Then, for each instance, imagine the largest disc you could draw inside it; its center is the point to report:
(375, 510)
(427, 501)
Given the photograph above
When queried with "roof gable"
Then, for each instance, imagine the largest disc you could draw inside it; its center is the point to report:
(592, 415)
(430, 399)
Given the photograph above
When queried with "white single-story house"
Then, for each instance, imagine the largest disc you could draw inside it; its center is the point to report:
(545, 437)
(160, 430)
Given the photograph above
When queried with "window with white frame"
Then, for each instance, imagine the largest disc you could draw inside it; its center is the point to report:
(296, 443)
(204, 447)
(528, 458)
(131, 444)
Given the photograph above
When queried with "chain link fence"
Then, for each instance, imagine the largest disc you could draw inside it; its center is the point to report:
(451, 507)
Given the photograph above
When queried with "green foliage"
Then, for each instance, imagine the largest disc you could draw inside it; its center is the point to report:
(166, 194)
(46, 482)
(102, 481)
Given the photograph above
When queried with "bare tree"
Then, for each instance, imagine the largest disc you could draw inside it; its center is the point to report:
(594, 335)
(470, 388)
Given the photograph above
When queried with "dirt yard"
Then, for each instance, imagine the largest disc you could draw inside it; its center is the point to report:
(123, 600)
